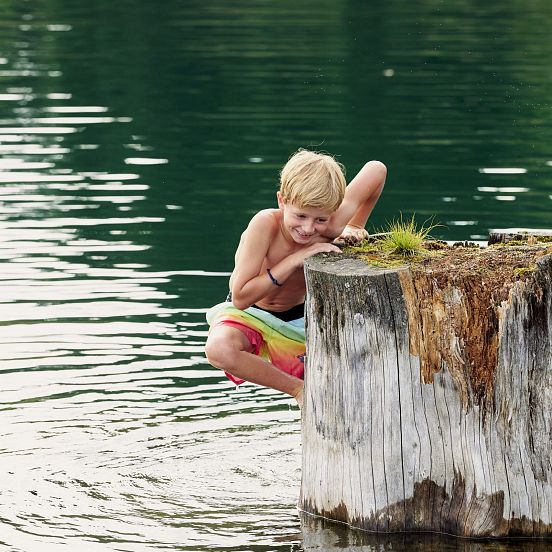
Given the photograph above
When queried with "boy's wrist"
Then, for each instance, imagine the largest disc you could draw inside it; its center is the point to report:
(273, 279)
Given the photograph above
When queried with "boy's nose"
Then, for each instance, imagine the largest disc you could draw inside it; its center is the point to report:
(309, 227)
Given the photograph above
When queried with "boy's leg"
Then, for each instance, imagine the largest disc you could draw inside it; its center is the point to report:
(227, 348)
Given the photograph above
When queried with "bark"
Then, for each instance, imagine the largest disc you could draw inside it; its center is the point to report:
(428, 395)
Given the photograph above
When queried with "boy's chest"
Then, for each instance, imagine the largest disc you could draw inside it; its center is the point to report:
(278, 251)
(294, 288)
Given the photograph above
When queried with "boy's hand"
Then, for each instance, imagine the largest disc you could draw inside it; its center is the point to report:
(352, 234)
(322, 247)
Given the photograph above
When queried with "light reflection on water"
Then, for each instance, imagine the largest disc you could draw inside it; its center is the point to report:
(122, 159)
(115, 432)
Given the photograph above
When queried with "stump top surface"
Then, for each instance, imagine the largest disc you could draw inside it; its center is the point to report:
(345, 265)
(499, 263)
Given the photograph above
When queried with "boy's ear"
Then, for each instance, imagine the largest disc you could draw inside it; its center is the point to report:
(281, 202)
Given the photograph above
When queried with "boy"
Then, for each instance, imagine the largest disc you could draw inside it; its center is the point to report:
(258, 337)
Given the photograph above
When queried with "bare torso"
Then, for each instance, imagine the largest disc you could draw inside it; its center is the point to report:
(292, 292)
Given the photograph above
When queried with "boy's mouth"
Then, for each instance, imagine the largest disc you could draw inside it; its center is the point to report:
(304, 236)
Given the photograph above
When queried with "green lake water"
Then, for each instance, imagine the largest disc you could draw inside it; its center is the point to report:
(136, 141)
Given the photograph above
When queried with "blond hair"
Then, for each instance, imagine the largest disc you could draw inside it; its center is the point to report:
(312, 179)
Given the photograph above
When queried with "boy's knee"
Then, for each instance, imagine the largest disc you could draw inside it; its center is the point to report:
(220, 353)
(212, 352)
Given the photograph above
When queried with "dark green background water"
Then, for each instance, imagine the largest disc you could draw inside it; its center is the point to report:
(136, 141)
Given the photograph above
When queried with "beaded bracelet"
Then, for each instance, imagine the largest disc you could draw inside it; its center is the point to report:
(272, 279)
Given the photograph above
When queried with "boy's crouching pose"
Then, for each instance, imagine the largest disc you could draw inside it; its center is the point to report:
(258, 334)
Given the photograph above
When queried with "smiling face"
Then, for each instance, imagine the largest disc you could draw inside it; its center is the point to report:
(303, 224)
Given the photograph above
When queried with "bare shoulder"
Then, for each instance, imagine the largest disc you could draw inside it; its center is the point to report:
(265, 220)
(266, 216)
(260, 230)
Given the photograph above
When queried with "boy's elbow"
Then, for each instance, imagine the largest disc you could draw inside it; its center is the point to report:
(240, 303)
(378, 167)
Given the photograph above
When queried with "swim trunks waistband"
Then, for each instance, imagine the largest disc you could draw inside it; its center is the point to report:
(298, 311)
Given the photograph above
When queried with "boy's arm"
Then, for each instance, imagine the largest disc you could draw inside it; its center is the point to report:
(247, 284)
(250, 282)
(361, 196)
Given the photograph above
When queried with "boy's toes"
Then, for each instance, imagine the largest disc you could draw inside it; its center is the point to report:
(298, 396)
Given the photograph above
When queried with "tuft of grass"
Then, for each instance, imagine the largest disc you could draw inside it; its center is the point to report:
(405, 238)
(403, 241)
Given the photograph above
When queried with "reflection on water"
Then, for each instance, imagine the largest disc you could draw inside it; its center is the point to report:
(135, 143)
(320, 536)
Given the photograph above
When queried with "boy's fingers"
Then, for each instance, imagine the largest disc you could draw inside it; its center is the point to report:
(351, 237)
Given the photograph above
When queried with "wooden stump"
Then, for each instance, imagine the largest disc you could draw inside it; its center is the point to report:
(428, 393)
(517, 234)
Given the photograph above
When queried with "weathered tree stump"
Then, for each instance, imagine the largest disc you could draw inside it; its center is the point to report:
(428, 393)
(518, 234)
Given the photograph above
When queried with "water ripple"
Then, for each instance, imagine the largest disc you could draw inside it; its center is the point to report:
(134, 145)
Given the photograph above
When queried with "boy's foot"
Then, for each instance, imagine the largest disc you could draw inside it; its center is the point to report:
(298, 396)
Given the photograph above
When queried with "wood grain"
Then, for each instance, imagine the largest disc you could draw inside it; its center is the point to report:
(428, 400)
